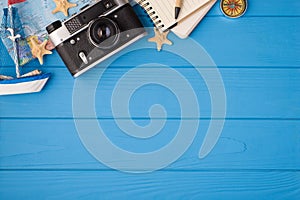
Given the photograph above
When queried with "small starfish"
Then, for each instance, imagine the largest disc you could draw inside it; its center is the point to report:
(160, 39)
(39, 50)
(63, 6)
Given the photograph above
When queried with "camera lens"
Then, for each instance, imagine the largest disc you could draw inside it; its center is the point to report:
(103, 33)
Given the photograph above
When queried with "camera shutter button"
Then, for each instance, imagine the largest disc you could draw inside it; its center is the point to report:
(83, 57)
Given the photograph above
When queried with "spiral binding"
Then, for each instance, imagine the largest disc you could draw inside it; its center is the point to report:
(146, 5)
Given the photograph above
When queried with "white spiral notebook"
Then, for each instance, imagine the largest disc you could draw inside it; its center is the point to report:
(186, 26)
(162, 12)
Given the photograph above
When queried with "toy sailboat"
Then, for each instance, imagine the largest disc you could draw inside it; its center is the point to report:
(27, 83)
(24, 84)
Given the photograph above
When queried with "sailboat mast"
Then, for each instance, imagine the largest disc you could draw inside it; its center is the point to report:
(15, 44)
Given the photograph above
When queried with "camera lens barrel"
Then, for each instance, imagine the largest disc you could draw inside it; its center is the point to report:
(103, 33)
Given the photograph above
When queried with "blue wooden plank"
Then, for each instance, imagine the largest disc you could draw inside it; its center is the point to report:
(256, 157)
(244, 144)
(246, 42)
(276, 89)
(246, 185)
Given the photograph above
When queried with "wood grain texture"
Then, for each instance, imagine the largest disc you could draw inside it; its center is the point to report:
(159, 185)
(277, 91)
(244, 144)
(256, 157)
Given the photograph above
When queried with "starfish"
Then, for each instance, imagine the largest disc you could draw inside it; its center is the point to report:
(39, 50)
(63, 6)
(160, 39)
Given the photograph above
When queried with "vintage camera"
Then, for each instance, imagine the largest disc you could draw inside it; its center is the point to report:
(95, 33)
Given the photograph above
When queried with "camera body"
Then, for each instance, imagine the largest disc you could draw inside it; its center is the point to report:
(95, 33)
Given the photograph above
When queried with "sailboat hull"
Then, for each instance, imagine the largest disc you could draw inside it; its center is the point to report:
(24, 85)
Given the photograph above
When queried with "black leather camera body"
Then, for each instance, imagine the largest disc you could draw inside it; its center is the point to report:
(95, 33)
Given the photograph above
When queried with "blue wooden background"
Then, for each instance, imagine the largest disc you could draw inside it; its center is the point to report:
(257, 156)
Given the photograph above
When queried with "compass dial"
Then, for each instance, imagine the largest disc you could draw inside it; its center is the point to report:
(233, 8)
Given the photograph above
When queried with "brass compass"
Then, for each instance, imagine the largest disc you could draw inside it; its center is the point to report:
(233, 8)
